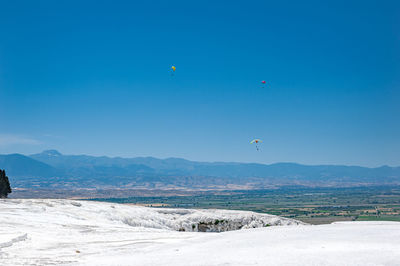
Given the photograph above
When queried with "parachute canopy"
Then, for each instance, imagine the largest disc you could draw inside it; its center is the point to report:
(255, 141)
(173, 68)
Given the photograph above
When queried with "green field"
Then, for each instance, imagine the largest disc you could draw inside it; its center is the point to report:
(312, 205)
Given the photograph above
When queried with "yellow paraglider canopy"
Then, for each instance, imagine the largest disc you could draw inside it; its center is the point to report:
(173, 68)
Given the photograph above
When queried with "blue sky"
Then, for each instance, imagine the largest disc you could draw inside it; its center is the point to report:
(93, 77)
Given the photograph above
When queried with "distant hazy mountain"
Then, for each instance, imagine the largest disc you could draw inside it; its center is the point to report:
(20, 165)
(51, 168)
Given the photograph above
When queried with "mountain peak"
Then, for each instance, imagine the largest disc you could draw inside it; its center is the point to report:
(51, 153)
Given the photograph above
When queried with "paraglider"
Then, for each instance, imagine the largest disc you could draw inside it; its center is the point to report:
(263, 83)
(173, 68)
(256, 142)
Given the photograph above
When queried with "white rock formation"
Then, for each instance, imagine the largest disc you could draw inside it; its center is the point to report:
(64, 232)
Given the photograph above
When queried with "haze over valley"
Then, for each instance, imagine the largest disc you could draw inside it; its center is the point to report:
(51, 169)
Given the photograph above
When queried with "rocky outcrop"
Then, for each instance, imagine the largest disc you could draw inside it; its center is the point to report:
(201, 220)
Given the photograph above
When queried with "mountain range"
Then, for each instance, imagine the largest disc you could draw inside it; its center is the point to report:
(53, 169)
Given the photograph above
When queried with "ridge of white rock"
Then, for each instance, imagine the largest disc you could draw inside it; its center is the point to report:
(189, 220)
(13, 240)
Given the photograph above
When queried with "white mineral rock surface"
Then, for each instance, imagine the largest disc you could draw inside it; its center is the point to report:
(66, 232)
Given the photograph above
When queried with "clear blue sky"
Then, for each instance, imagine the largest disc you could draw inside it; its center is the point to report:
(93, 77)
